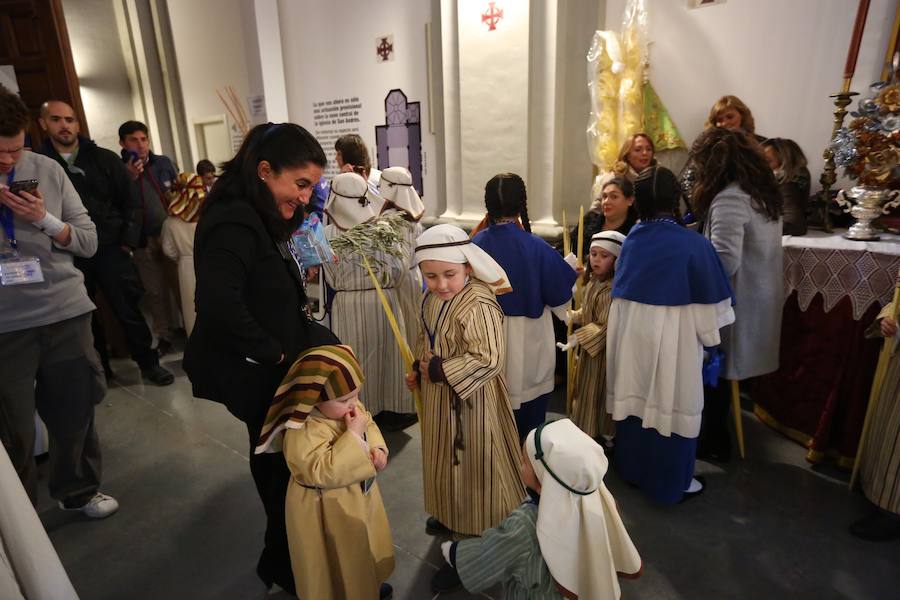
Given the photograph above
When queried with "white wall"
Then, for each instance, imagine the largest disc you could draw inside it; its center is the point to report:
(211, 52)
(782, 58)
(105, 90)
(329, 52)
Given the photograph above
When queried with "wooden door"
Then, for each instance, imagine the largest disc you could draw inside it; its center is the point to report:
(35, 41)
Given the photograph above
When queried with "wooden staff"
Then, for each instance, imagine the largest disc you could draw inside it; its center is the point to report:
(398, 335)
(883, 360)
(570, 355)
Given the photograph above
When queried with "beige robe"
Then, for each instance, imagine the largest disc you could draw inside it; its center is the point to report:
(589, 396)
(177, 240)
(339, 537)
(29, 566)
(485, 486)
(358, 319)
(881, 452)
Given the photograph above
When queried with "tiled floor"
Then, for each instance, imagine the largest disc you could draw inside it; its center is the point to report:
(190, 525)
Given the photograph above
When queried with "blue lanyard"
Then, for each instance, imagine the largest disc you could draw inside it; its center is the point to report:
(432, 334)
(6, 216)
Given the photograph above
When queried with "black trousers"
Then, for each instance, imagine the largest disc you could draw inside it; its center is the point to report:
(271, 476)
(111, 271)
(714, 435)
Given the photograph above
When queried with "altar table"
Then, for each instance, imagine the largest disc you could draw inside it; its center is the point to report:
(834, 288)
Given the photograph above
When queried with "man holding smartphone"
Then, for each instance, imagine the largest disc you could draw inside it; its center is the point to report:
(152, 176)
(47, 357)
(103, 183)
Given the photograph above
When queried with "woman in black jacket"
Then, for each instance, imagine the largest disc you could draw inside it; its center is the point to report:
(252, 312)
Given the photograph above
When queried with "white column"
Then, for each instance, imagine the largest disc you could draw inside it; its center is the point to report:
(450, 80)
(271, 61)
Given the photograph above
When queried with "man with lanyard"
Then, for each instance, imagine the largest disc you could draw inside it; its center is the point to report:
(103, 183)
(152, 176)
(47, 358)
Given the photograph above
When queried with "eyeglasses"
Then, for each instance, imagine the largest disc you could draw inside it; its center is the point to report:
(15, 152)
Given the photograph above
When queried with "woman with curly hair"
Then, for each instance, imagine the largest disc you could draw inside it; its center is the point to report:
(637, 154)
(737, 201)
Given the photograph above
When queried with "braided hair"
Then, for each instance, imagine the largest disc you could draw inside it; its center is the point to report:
(505, 196)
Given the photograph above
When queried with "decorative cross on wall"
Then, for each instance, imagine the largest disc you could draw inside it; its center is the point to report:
(492, 16)
(385, 48)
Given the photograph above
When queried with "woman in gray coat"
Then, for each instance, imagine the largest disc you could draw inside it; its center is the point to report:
(737, 199)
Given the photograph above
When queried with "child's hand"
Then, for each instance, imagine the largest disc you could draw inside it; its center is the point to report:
(379, 458)
(570, 345)
(888, 327)
(356, 421)
(412, 381)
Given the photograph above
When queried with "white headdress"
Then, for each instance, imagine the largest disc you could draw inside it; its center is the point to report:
(581, 535)
(351, 202)
(451, 244)
(396, 186)
(611, 241)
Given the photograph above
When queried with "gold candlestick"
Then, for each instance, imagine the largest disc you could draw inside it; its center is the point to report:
(828, 178)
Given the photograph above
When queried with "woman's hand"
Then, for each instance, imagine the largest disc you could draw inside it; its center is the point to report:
(379, 458)
(888, 327)
(356, 421)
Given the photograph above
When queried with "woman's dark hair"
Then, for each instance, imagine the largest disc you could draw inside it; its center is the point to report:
(284, 146)
(354, 152)
(622, 183)
(725, 156)
(13, 114)
(790, 155)
(505, 196)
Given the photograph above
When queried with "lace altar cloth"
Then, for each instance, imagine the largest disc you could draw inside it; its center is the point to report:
(828, 264)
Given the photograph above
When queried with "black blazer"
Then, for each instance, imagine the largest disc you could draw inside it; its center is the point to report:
(249, 303)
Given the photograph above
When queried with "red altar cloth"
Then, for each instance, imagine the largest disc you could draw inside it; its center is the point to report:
(835, 289)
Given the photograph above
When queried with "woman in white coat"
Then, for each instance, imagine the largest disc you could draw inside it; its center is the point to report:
(736, 198)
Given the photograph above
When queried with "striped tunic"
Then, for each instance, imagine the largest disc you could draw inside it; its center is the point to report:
(508, 554)
(589, 396)
(358, 320)
(881, 452)
(475, 487)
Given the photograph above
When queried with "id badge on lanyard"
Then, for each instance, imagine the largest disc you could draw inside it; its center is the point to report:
(15, 269)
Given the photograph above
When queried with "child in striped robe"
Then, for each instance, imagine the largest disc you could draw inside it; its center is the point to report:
(589, 341)
(469, 437)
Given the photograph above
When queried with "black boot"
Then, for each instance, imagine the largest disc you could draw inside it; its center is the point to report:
(878, 526)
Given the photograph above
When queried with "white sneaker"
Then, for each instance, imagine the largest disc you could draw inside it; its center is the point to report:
(98, 507)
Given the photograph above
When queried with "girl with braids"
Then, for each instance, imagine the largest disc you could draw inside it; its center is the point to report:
(738, 203)
(542, 283)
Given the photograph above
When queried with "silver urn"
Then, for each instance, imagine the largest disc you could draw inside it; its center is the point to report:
(865, 204)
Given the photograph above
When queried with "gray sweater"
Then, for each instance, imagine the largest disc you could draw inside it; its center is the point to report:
(61, 295)
(749, 245)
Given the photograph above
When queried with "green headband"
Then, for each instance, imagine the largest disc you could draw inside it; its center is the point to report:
(539, 455)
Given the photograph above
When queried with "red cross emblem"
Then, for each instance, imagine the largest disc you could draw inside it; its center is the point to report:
(384, 49)
(492, 16)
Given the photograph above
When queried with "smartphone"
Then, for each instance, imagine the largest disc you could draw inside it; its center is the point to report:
(130, 156)
(23, 185)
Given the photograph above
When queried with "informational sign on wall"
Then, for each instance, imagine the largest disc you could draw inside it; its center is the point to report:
(332, 119)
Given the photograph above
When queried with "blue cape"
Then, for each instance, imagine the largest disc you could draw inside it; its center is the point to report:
(665, 264)
(538, 274)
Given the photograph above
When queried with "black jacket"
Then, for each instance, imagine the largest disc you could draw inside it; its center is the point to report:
(104, 186)
(249, 303)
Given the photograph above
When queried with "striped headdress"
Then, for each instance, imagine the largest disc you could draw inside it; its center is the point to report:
(319, 374)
